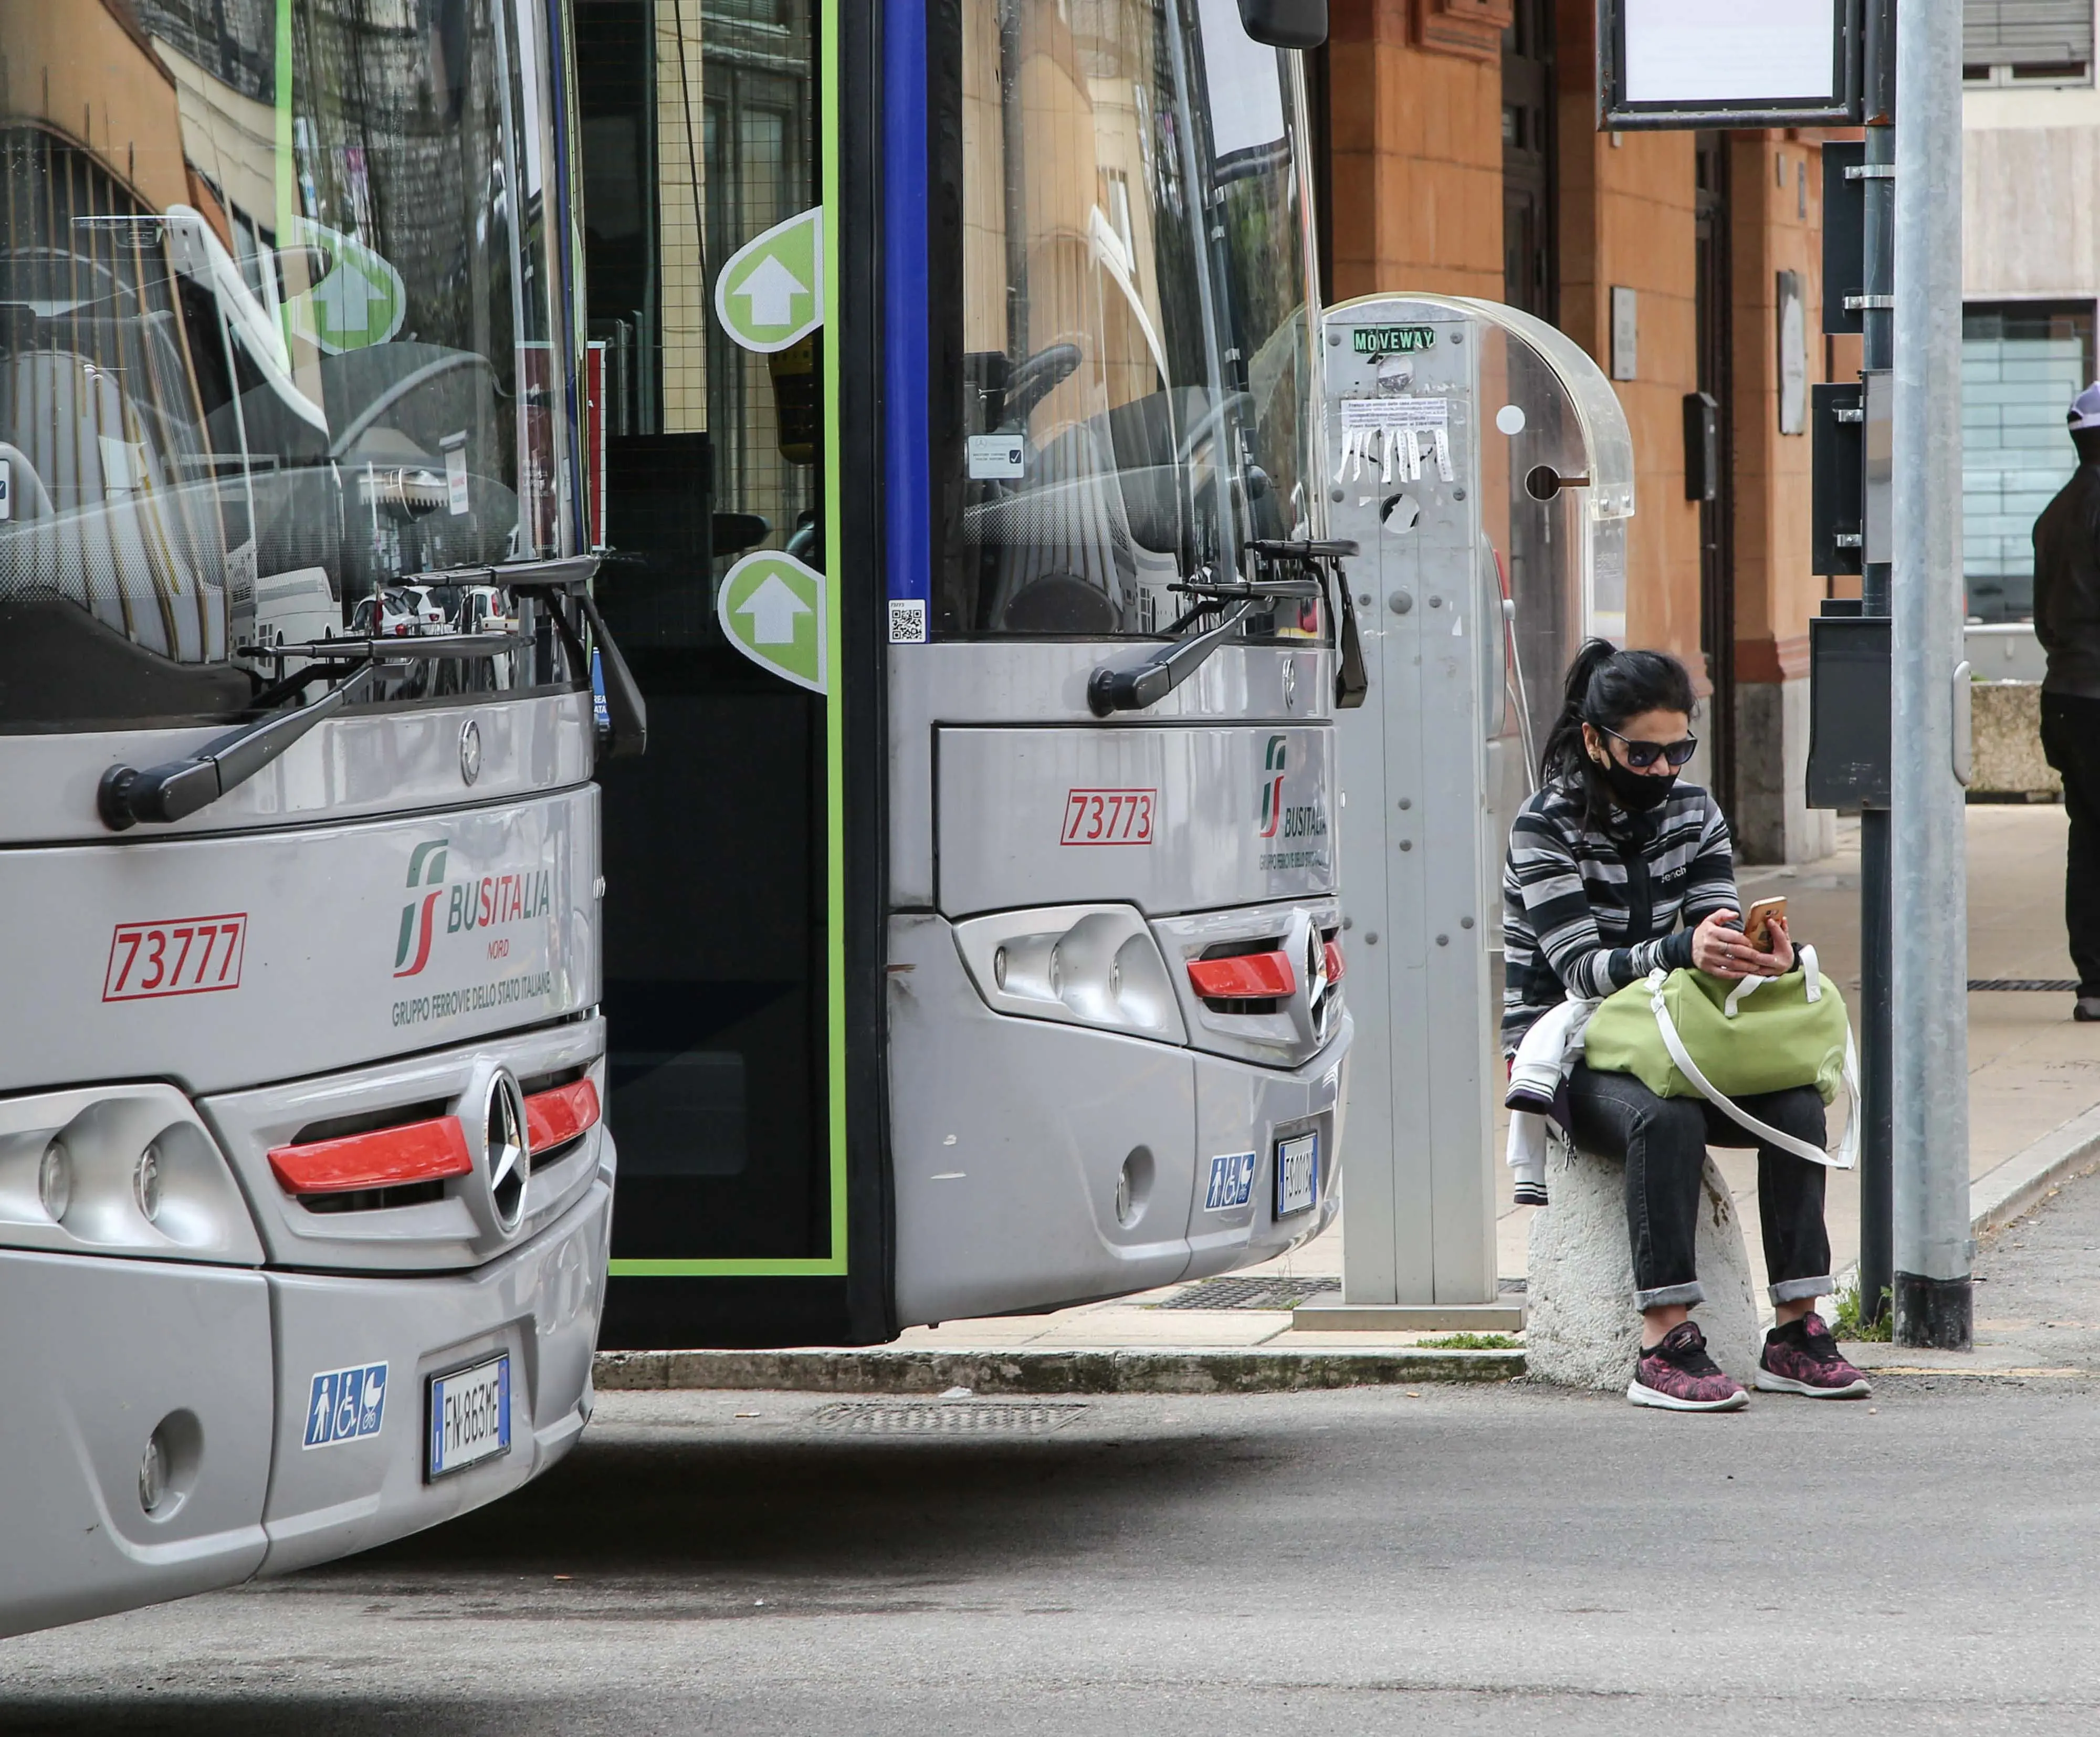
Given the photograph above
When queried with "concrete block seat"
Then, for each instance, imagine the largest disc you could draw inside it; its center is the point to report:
(1582, 1330)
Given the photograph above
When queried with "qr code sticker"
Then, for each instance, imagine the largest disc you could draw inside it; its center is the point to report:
(907, 620)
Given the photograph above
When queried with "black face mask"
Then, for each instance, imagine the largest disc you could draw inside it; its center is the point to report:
(1637, 792)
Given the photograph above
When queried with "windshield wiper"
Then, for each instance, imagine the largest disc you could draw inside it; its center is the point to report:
(1146, 684)
(165, 794)
(1351, 683)
(626, 713)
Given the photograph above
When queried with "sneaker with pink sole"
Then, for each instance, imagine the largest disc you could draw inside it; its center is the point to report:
(1677, 1375)
(1802, 1357)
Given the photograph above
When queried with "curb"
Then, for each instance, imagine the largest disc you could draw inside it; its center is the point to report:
(2000, 1195)
(1043, 1372)
(1996, 1198)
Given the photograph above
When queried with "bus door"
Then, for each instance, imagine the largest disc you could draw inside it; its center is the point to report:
(703, 129)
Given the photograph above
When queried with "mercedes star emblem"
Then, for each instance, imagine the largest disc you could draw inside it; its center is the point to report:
(1316, 966)
(470, 751)
(509, 1155)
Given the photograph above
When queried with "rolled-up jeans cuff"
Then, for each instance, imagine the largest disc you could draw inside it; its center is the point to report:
(1663, 1296)
(1800, 1290)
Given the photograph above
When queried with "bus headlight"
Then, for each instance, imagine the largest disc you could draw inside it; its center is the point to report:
(121, 1170)
(146, 1184)
(1094, 965)
(54, 1181)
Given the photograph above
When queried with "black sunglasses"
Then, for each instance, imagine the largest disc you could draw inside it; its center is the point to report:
(1642, 755)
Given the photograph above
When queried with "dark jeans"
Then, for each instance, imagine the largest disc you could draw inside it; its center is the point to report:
(1664, 1142)
(2071, 738)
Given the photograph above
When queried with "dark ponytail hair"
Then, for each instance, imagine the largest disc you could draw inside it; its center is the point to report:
(1606, 687)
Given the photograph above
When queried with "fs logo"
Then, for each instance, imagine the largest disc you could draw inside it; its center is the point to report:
(1272, 785)
(427, 868)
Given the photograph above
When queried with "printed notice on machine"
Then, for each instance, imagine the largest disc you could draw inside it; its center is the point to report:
(1395, 413)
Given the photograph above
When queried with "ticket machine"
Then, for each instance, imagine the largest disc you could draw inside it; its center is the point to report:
(1482, 463)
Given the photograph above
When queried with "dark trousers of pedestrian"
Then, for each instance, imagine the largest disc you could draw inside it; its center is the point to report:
(2071, 738)
(1664, 1142)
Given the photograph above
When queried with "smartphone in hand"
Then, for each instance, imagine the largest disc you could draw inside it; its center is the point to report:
(1757, 925)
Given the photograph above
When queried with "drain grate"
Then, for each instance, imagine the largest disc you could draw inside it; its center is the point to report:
(949, 1417)
(1264, 1291)
(2044, 985)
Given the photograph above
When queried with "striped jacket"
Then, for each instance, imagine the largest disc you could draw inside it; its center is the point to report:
(1585, 911)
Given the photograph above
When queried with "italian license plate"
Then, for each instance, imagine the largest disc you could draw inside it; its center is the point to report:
(470, 1416)
(1297, 1173)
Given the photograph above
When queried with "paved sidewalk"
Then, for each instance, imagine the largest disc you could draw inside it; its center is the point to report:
(2035, 1120)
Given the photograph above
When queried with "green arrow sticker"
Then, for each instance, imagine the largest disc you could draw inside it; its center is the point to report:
(772, 608)
(360, 300)
(771, 293)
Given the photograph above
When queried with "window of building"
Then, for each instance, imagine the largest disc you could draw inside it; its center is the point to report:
(2027, 42)
(1529, 265)
(2022, 364)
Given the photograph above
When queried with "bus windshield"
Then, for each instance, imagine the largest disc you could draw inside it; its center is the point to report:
(1134, 271)
(276, 330)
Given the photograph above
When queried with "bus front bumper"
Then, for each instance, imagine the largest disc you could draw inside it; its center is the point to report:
(208, 1372)
(334, 1491)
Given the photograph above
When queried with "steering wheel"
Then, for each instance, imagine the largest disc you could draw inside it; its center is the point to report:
(1035, 380)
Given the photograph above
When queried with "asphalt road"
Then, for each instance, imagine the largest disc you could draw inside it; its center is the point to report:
(1511, 1561)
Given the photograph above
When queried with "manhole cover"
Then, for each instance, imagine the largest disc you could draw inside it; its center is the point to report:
(2044, 985)
(1261, 1292)
(948, 1416)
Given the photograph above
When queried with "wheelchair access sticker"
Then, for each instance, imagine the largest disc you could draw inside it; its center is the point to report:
(347, 1404)
(1232, 1181)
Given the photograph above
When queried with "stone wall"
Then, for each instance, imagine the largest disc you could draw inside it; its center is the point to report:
(2006, 720)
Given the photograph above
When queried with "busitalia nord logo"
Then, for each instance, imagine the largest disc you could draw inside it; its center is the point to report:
(1299, 830)
(485, 901)
(427, 868)
(1273, 763)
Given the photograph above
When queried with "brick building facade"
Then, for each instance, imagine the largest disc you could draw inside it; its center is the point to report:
(1462, 155)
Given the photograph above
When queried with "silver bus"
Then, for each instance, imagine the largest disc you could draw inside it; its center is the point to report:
(305, 1186)
(972, 941)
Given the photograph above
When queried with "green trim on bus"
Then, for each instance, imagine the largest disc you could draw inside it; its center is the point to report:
(835, 797)
(757, 1268)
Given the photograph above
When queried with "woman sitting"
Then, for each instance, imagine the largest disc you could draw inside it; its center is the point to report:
(1615, 867)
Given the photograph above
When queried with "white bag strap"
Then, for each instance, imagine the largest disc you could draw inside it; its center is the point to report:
(1805, 955)
(1848, 1148)
(1847, 1154)
(1811, 975)
(1749, 985)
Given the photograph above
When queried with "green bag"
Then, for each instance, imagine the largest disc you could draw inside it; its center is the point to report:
(1684, 1034)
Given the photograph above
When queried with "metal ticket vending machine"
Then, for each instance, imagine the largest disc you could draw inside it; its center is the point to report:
(1482, 463)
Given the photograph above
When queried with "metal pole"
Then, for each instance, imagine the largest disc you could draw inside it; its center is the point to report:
(1929, 901)
(1877, 345)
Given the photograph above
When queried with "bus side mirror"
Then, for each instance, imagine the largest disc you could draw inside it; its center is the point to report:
(1285, 24)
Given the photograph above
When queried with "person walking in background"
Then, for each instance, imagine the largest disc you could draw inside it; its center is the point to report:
(2066, 614)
